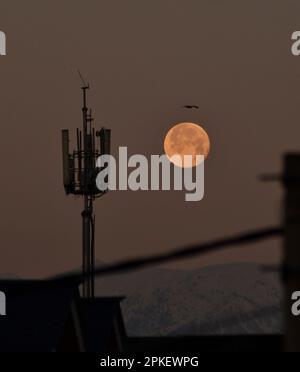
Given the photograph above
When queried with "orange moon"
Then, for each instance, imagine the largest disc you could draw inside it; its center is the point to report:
(186, 139)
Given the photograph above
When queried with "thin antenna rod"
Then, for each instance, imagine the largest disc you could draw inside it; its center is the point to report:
(85, 85)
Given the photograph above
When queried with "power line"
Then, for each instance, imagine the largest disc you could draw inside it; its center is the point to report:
(179, 254)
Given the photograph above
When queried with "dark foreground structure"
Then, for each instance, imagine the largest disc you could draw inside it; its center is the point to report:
(49, 316)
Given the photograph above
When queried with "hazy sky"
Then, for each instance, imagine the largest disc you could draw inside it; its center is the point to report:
(144, 60)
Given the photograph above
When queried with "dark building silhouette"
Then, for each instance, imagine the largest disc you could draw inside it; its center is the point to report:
(48, 316)
(51, 316)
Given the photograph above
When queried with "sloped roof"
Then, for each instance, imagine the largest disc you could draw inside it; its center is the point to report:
(36, 314)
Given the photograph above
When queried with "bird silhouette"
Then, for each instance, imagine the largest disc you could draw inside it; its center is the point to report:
(190, 107)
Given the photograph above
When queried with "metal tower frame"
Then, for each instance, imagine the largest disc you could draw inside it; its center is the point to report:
(80, 172)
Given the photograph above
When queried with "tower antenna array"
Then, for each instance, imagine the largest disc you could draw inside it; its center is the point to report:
(79, 174)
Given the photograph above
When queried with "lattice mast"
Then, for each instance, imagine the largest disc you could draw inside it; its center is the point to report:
(80, 172)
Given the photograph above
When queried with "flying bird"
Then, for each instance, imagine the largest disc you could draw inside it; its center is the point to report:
(190, 107)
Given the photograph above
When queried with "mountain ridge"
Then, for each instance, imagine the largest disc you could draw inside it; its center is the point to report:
(221, 299)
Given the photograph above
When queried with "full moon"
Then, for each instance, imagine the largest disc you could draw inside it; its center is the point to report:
(186, 139)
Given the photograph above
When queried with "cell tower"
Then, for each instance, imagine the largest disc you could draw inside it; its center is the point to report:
(79, 174)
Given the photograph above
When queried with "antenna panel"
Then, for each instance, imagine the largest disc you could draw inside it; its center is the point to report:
(66, 160)
(105, 138)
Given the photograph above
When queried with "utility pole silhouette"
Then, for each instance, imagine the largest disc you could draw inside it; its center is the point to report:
(80, 172)
(291, 264)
